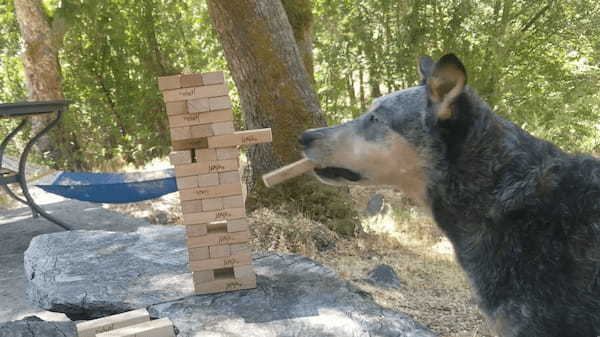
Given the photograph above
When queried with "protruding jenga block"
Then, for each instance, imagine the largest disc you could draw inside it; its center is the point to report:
(213, 166)
(196, 92)
(169, 82)
(181, 157)
(204, 217)
(223, 190)
(287, 172)
(241, 138)
(221, 262)
(215, 77)
(191, 80)
(218, 239)
(222, 128)
(109, 323)
(198, 118)
(157, 328)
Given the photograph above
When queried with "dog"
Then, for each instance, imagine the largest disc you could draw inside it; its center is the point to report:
(522, 215)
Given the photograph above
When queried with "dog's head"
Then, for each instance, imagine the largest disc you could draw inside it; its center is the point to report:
(394, 141)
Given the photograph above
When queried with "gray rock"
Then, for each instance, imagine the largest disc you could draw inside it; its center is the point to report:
(97, 273)
(295, 296)
(384, 276)
(375, 204)
(90, 274)
(37, 328)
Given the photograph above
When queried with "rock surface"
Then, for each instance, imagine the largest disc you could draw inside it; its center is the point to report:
(91, 274)
(37, 328)
(384, 276)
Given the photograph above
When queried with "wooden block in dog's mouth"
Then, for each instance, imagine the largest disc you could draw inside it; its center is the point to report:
(288, 172)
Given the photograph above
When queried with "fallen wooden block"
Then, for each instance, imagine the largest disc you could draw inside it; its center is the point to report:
(157, 328)
(97, 326)
(287, 172)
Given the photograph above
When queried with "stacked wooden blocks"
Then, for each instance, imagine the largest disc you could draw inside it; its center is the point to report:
(205, 156)
(134, 323)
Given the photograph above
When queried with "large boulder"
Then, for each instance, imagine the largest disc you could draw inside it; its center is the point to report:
(92, 274)
(35, 327)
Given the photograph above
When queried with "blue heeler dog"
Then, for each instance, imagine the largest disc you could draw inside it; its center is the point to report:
(523, 216)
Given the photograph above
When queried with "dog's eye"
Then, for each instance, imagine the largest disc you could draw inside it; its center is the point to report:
(373, 119)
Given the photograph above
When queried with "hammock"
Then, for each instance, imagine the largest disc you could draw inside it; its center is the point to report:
(110, 188)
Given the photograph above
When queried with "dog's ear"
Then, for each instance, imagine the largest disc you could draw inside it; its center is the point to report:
(446, 83)
(425, 67)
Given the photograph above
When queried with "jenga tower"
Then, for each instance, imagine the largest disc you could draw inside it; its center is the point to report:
(205, 156)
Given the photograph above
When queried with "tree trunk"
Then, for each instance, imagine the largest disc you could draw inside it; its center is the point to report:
(300, 16)
(42, 70)
(275, 91)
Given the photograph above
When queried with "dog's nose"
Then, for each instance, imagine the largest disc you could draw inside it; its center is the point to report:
(309, 136)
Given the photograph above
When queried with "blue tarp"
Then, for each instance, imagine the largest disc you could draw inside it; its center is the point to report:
(111, 188)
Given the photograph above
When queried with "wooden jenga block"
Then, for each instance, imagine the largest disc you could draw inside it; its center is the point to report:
(203, 276)
(205, 154)
(198, 105)
(239, 248)
(169, 82)
(234, 201)
(191, 206)
(187, 182)
(232, 177)
(222, 214)
(157, 328)
(222, 285)
(223, 190)
(195, 92)
(212, 204)
(222, 128)
(237, 225)
(218, 239)
(181, 157)
(109, 323)
(219, 251)
(198, 118)
(202, 130)
(227, 153)
(181, 133)
(219, 103)
(188, 144)
(221, 262)
(199, 253)
(243, 271)
(210, 179)
(287, 172)
(203, 167)
(215, 77)
(176, 108)
(241, 138)
(190, 80)
(196, 230)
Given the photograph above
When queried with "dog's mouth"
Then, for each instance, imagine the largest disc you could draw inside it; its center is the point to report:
(336, 173)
